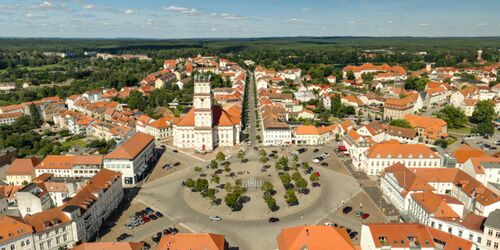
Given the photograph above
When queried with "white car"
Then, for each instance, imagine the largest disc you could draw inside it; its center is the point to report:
(228, 157)
(215, 218)
(328, 223)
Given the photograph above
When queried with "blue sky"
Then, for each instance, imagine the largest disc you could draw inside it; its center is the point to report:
(248, 18)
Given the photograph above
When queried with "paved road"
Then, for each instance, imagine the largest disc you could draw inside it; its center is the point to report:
(251, 104)
(165, 195)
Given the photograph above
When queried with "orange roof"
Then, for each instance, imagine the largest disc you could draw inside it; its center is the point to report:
(451, 241)
(47, 219)
(469, 184)
(12, 228)
(22, 166)
(389, 150)
(186, 241)
(407, 179)
(346, 124)
(312, 130)
(68, 161)
(476, 162)
(9, 191)
(465, 152)
(314, 238)
(132, 147)
(220, 118)
(109, 246)
(161, 123)
(368, 66)
(436, 205)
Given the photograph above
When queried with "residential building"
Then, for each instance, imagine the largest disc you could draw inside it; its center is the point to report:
(161, 128)
(21, 171)
(9, 118)
(314, 237)
(399, 108)
(110, 246)
(93, 204)
(311, 135)
(84, 166)
(206, 241)
(408, 236)
(52, 229)
(429, 128)
(15, 234)
(33, 199)
(382, 72)
(132, 158)
(464, 153)
(387, 153)
(492, 230)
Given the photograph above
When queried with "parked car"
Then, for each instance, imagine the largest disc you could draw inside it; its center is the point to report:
(146, 219)
(153, 217)
(227, 157)
(353, 234)
(347, 210)
(129, 226)
(328, 223)
(167, 166)
(166, 231)
(315, 150)
(244, 160)
(215, 218)
(302, 150)
(156, 238)
(148, 210)
(324, 164)
(123, 236)
(175, 151)
(158, 214)
(173, 229)
(359, 213)
(177, 164)
(145, 245)
(365, 216)
(273, 220)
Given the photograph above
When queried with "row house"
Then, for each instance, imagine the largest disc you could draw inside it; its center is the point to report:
(492, 230)
(485, 169)
(52, 229)
(315, 237)
(10, 118)
(109, 131)
(84, 166)
(380, 132)
(350, 100)
(74, 121)
(292, 74)
(132, 158)
(464, 153)
(355, 146)
(311, 135)
(387, 153)
(15, 234)
(93, 204)
(276, 131)
(437, 93)
(161, 129)
(21, 171)
(402, 236)
(429, 129)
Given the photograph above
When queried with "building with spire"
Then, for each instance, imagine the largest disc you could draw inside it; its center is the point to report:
(206, 126)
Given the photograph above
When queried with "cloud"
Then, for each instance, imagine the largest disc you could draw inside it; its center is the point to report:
(31, 15)
(305, 9)
(88, 7)
(423, 24)
(227, 16)
(182, 10)
(129, 12)
(390, 22)
(481, 24)
(45, 5)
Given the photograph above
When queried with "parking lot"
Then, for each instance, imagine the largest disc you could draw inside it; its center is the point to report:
(491, 145)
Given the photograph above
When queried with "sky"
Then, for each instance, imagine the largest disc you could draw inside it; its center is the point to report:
(247, 18)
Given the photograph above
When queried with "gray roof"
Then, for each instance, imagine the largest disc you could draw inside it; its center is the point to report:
(493, 219)
(490, 164)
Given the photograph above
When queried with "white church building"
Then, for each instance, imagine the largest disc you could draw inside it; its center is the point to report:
(206, 127)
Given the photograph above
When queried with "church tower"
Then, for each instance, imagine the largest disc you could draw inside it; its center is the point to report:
(202, 105)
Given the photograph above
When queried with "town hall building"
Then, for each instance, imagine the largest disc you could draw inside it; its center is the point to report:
(206, 126)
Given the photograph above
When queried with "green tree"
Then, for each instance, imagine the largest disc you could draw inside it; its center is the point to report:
(190, 183)
(401, 123)
(136, 100)
(220, 156)
(209, 194)
(271, 202)
(201, 184)
(215, 179)
(263, 159)
(350, 75)
(262, 152)
(285, 179)
(36, 119)
(484, 128)
(267, 187)
(231, 200)
(314, 177)
(291, 198)
(416, 83)
(241, 154)
(441, 142)
(484, 112)
(455, 117)
(213, 164)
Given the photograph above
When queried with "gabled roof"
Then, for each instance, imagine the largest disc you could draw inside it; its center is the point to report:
(109, 246)
(199, 241)
(12, 228)
(132, 147)
(388, 149)
(465, 152)
(436, 205)
(47, 219)
(314, 237)
(22, 166)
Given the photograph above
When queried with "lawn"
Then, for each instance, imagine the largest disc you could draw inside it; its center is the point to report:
(464, 130)
(78, 142)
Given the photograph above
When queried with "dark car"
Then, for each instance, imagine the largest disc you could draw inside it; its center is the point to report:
(315, 150)
(123, 236)
(158, 214)
(302, 150)
(149, 210)
(244, 160)
(173, 229)
(177, 164)
(365, 216)
(167, 166)
(273, 220)
(353, 234)
(156, 239)
(166, 231)
(255, 148)
(146, 245)
(324, 164)
(274, 152)
(347, 210)
(153, 217)
(175, 151)
(146, 219)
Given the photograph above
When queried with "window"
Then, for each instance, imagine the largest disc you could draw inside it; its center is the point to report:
(490, 232)
(488, 243)
(495, 245)
(497, 234)
(478, 239)
(460, 233)
(27, 242)
(432, 224)
(450, 230)
(440, 226)
(12, 247)
(470, 236)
